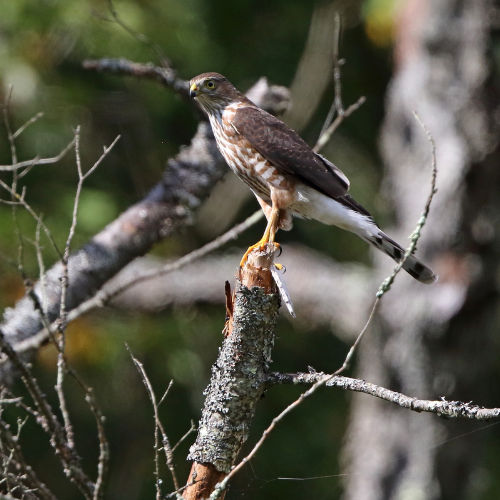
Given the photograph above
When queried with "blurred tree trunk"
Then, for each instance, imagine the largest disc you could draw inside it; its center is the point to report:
(435, 341)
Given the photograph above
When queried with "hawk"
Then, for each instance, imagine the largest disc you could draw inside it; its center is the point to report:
(287, 177)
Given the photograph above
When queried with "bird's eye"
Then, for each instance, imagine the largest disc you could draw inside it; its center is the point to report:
(210, 84)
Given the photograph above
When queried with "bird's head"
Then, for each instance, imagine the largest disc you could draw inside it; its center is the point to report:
(213, 91)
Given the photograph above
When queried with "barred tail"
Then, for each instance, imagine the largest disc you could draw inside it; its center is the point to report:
(412, 265)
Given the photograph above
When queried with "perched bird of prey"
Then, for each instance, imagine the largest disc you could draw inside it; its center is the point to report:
(285, 174)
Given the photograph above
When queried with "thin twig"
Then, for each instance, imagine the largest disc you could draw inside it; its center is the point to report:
(140, 37)
(360, 336)
(167, 449)
(22, 201)
(185, 436)
(37, 160)
(49, 423)
(337, 105)
(102, 297)
(327, 134)
(26, 124)
(13, 188)
(442, 408)
(28, 476)
(221, 240)
(385, 286)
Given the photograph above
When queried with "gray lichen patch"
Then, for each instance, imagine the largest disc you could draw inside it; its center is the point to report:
(238, 379)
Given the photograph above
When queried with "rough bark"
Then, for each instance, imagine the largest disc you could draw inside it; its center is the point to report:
(238, 377)
(444, 72)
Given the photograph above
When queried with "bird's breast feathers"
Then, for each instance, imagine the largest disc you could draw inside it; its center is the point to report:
(243, 158)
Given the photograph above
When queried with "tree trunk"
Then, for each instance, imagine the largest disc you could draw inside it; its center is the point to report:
(434, 341)
(238, 377)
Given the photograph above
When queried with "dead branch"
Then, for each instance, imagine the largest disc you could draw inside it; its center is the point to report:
(49, 422)
(238, 377)
(165, 76)
(442, 408)
(158, 429)
(110, 292)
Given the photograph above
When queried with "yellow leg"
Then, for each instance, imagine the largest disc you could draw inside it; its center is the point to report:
(268, 236)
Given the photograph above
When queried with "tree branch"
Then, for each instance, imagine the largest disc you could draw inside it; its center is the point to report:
(442, 408)
(238, 377)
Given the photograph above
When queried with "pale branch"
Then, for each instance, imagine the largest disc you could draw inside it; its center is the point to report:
(26, 124)
(49, 422)
(158, 428)
(327, 134)
(37, 160)
(442, 408)
(28, 480)
(20, 198)
(105, 295)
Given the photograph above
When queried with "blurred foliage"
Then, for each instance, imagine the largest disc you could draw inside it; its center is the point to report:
(42, 46)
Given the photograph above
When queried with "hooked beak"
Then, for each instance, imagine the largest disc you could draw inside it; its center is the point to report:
(193, 90)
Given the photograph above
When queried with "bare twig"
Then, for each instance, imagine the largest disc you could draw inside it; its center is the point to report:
(13, 188)
(442, 408)
(337, 106)
(48, 421)
(218, 242)
(28, 479)
(140, 37)
(414, 237)
(327, 134)
(167, 449)
(185, 436)
(26, 124)
(37, 160)
(103, 297)
(360, 336)
(22, 201)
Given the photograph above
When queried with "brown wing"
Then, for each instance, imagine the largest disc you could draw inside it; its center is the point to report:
(288, 152)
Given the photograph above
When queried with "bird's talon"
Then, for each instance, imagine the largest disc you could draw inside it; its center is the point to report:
(280, 267)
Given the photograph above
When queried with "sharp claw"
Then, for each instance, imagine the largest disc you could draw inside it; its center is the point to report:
(280, 267)
(261, 245)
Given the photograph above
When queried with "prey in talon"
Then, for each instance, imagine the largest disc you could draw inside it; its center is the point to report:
(287, 177)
